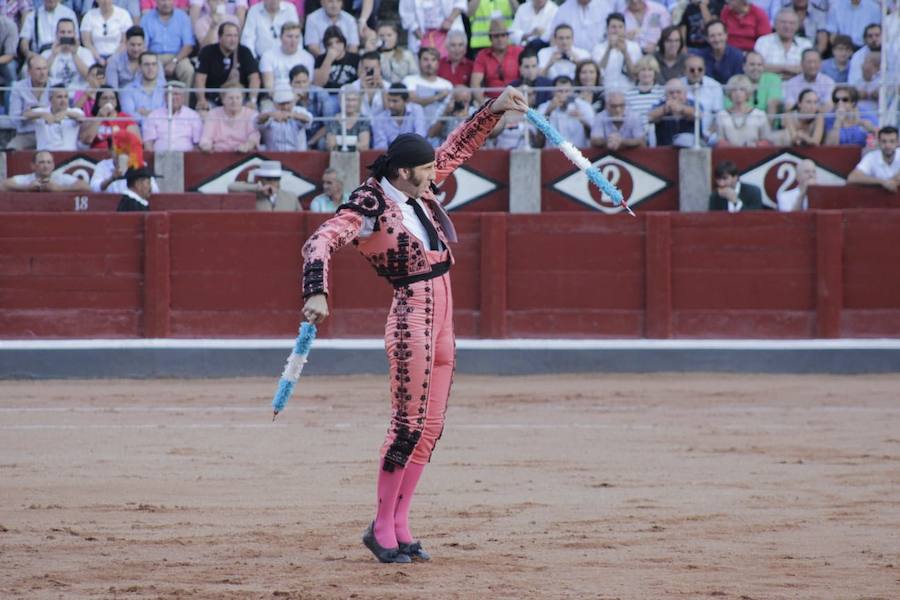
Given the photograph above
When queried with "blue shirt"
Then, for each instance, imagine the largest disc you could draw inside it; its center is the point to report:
(134, 97)
(851, 20)
(170, 37)
(855, 135)
(385, 128)
(830, 68)
(732, 63)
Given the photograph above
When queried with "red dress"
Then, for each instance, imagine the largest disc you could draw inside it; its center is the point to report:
(105, 130)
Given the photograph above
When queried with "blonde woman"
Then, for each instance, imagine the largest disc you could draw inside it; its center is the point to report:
(742, 124)
(646, 93)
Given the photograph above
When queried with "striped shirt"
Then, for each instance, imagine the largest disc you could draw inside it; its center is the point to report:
(639, 103)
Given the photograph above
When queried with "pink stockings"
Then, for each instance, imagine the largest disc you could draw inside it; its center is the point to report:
(395, 494)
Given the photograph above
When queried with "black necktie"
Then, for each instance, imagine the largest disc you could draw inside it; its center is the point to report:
(433, 241)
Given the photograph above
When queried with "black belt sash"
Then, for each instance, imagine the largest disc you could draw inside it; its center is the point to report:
(436, 271)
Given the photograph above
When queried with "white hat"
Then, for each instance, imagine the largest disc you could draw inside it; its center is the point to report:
(283, 94)
(268, 169)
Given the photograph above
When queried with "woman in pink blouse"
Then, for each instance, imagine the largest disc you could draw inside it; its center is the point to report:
(232, 126)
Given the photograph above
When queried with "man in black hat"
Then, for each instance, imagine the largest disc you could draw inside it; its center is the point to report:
(137, 196)
(396, 222)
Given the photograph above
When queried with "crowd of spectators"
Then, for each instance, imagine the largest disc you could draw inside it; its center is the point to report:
(241, 75)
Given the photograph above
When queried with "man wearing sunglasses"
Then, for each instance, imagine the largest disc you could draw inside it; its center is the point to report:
(496, 66)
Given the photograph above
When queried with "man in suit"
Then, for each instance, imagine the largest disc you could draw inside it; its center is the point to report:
(270, 197)
(731, 194)
(137, 196)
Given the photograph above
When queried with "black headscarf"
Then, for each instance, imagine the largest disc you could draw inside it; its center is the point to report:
(406, 151)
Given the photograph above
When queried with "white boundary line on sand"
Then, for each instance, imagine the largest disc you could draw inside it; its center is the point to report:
(461, 344)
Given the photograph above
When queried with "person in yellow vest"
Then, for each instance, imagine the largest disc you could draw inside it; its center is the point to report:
(480, 14)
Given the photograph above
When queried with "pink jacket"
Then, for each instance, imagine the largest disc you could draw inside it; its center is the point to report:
(391, 249)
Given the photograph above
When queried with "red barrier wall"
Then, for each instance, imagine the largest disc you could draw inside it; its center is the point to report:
(186, 274)
(95, 202)
(854, 196)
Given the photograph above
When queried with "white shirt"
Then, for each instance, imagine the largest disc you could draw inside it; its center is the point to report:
(873, 165)
(60, 179)
(275, 61)
(563, 66)
(423, 88)
(262, 31)
(118, 23)
(773, 52)
(613, 75)
(61, 136)
(410, 220)
(738, 204)
(788, 198)
(854, 74)
(63, 70)
(526, 20)
(367, 107)
(317, 22)
(709, 96)
(571, 127)
(588, 23)
(104, 170)
(46, 31)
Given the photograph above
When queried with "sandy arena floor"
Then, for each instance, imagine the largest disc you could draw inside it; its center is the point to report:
(631, 487)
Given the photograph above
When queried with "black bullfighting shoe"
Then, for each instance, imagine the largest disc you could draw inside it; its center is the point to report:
(385, 555)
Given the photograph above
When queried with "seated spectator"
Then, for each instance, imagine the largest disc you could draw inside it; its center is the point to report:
(617, 55)
(400, 116)
(845, 126)
(852, 18)
(571, 116)
(397, 62)
(508, 134)
(276, 63)
(783, 49)
(723, 61)
(645, 94)
(132, 7)
(144, 95)
(615, 129)
(730, 193)
(353, 133)
(67, 60)
(561, 56)
(56, 126)
(9, 36)
(139, 188)
(670, 54)
(169, 34)
(284, 128)
(812, 14)
(810, 77)
(529, 76)
(123, 66)
(587, 77)
(742, 124)
(705, 91)
(232, 126)
(103, 30)
(332, 194)
(43, 178)
(314, 99)
(321, 21)
(644, 22)
(228, 62)
(805, 124)
(265, 182)
(691, 17)
(39, 26)
(482, 13)
(531, 22)
(869, 87)
(745, 23)
(822, 43)
(795, 199)
(148, 5)
(428, 90)
(370, 84)
(109, 174)
(15, 11)
(107, 116)
(674, 117)
(26, 94)
(838, 66)
(460, 108)
(262, 29)
(185, 129)
(767, 89)
(336, 67)
(84, 99)
(872, 38)
(427, 23)
(496, 66)
(587, 18)
(456, 67)
(880, 167)
(208, 15)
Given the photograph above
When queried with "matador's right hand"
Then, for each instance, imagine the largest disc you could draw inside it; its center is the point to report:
(316, 308)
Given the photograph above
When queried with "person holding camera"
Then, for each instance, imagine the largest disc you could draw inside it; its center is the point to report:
(370, 85)
(562, 56)
(39, 26)
(570, 115)
(454, 114)
(67, 60)
(618, 55)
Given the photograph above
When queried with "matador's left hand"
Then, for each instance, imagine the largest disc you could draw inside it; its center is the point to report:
(510, 99)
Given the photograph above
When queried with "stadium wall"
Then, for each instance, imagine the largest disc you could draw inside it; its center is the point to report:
(661, 275)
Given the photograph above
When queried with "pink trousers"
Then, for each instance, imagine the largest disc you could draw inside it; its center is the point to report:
(421, 352)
